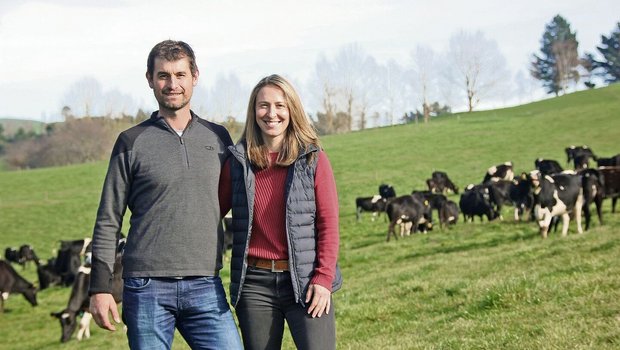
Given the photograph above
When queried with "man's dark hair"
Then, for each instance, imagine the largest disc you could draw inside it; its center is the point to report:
(171, 50)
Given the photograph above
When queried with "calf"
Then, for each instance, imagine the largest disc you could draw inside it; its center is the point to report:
(499, 172)
(557, 195)
(440, 182)
(580, 155)
(548, 166)
(375, 205)
(79, 301)
(610, 177)
(407, 210)
(476, 201)
(593, 192)
(12, 282)
(613, 161)
(448, 214)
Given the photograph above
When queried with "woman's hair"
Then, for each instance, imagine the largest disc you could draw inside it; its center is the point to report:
(298, 137)
(171, 50)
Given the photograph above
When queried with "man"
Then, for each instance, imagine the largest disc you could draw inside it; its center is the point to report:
(166, 171)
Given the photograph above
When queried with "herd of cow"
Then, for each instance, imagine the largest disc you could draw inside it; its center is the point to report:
(70, 267)
(545, 195)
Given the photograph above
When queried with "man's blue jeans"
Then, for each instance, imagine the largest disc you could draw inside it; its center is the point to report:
(196, 306)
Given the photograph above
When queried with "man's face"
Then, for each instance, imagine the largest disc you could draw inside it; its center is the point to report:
(172, 83)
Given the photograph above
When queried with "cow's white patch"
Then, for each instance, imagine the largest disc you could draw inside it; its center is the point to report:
(492, 170)
(65, 315)
(5, 295)
(86, 243)
(85, 270)
(375, 198)
(84, 326)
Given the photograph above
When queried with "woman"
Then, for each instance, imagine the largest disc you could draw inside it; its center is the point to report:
(285, 224)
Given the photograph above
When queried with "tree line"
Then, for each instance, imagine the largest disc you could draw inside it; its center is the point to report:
(348, 91)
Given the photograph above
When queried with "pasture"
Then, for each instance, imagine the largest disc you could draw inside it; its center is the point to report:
(494, 285)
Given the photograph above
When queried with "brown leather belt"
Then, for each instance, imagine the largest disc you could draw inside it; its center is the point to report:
(272, 265)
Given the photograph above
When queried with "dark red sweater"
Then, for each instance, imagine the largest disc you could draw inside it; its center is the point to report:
(268, 239)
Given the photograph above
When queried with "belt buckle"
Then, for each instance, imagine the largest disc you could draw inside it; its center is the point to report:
(273, 267)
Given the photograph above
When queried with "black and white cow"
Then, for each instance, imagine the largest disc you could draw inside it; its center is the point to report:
(593, 192)
(557, 195)
(21, 256)
(613, 161)
(387, 191)
(69, 259)
(522, 196)
(409, 212)
(47, 274)
(548, 166)
(580, 155)
(11, 255)
(79, 301)
(476, 201)
(611, 182)
(440, 182)
(435, 200)
(375, 204)
(448, 214)
(12, 282)
(499, 172)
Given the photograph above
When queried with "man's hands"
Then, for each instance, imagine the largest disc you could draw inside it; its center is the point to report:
(321, 300)
(100, 305)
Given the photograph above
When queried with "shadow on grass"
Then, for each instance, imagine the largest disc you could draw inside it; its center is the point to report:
(489, 243)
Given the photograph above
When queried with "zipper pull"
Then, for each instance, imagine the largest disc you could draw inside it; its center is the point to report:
(181, 139)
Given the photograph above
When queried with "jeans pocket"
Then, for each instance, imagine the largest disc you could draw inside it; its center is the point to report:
(136, 283)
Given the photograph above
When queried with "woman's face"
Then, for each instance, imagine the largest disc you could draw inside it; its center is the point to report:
(272, 116)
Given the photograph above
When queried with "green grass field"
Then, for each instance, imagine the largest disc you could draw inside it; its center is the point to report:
(478, 285)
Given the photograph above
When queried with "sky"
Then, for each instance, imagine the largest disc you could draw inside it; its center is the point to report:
(47, 46)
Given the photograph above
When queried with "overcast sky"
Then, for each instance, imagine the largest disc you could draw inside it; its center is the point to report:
(46, 46)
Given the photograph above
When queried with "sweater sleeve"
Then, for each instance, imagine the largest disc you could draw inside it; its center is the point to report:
(108, 224)
(327, 223)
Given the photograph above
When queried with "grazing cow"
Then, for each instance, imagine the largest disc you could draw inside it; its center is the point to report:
(12, 282)
(11, 255)
(476, 201)
(79, 301)
(548, 166)
(613, 161)
(521, 196)
(448, 214)
(47, 274)
(440, 182)
(580, 155)
(407, 210)
(375, 205)
(26, 254)
(499, 172)
(611, 182)
(557, 195)
(435, 200)
(593, 192)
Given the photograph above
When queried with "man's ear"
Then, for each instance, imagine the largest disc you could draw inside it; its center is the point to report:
(148, 78)
(195, 78)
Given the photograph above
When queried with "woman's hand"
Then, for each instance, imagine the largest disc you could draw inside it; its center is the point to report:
(321, 300)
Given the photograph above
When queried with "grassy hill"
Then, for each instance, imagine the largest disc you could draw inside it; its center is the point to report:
(478, 285)
(12, 125)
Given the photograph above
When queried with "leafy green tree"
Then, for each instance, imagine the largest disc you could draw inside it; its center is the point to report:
(609, 66)
(556, 64)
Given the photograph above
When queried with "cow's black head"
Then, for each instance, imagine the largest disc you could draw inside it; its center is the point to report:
(31, 295)
(68, 323)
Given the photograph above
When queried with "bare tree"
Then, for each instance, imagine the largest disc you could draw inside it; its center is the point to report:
(84, 97)
(476, 65)
(223, 98)
(395, 91)
(566, 61)
(116, 104)
(425, 74)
